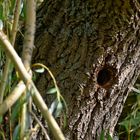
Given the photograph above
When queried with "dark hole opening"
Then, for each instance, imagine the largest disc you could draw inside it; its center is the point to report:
(104, 76)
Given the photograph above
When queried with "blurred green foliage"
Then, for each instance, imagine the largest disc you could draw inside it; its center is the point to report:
(129, 123)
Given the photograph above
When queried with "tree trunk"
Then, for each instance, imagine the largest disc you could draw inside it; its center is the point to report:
(93, 50)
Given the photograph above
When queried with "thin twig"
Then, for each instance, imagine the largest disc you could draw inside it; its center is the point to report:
(135, 90)
(40, 124)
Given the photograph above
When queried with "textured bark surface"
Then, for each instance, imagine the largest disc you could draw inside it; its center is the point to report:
(93, 49)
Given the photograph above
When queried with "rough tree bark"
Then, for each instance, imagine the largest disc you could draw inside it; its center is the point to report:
(93, 49)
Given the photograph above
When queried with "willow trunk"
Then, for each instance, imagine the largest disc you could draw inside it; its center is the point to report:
(93, 49)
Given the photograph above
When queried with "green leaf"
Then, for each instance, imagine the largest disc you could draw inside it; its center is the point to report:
(102, 135)
(52, 91)
(109, 137)
(1, 11)
(135, 121)
(12, 6)
(34, 77)
(23, 9)
(16, 109)
(2, 135)
(126, 124)
(58, 109)
(1, 24)
(1, 119)
(40, 70)
(15, 112)
(16, 133)
(53, 106)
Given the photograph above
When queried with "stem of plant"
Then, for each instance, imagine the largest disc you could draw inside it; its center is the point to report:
(12, 40)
